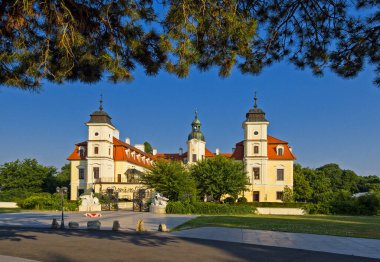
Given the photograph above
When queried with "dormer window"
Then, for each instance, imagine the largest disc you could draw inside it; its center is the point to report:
(280, 150)
(81, 151)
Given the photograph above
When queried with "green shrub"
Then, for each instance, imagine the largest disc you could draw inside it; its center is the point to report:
(208, 208)
(242, 200)
(46, 201)
(278, 204)
(13, 195)
(229, 200)
(319, 208)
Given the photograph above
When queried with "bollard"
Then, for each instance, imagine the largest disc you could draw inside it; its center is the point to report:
(94, 225)
(162, 228)
(54, 224)
(140, 226)
(73, 225)
(116, 225)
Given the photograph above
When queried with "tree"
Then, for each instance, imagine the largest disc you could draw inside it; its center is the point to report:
(320, 185)
(219, 176)
(70, 40)
(288, 195)
(171, 179)
(25, 176)
(148, 148)
(301, 188)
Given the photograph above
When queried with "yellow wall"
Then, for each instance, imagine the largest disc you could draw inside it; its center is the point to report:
(75, 183)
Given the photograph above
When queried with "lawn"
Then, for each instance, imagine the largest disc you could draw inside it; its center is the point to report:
(348, 226)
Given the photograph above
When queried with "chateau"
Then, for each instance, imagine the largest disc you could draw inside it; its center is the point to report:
(104, 162)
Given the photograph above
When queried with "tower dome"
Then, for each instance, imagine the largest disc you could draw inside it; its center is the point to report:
(196, 129)
(100, 116)
(255, 114)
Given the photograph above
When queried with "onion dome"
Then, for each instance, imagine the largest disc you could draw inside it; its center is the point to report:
(196, 129)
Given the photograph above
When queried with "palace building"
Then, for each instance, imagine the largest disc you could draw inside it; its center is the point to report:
(104, 162)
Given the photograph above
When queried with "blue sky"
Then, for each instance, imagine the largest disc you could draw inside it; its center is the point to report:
(325, 120)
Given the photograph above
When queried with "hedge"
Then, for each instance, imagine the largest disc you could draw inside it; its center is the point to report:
(278, 204)
(46, 201)
(208, 208)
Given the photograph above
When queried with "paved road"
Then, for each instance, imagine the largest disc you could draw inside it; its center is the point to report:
(81, 245)
(128, 220)
(333, 244)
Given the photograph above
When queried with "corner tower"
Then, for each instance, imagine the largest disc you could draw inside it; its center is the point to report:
(256, 148)
(100, 164)
(196, 142)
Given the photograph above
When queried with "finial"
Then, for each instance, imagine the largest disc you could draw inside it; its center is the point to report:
(101, 102)
(196, 113)
(255, 106)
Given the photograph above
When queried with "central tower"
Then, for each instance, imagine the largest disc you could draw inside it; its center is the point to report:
(256, 149)
(196, 142)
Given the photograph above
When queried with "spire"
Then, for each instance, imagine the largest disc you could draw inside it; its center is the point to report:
(196, 113)
(255, 114)
(255, 106)
(101, 102)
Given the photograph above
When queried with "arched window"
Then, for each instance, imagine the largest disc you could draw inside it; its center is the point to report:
(96, 150)
(280, 150)
(256, 149)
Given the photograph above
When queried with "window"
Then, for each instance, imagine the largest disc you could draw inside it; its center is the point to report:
(96, 172)
(280, 174)
(81, 173)
(256, 196)
(256, 133)
(256, 149)
(194, 158)
(280, 151)
(96, 150)
(256, 173)
(96, 133)
(119, 178)
(80, 192)
(109, 151)
(279, 195)
(81, 152)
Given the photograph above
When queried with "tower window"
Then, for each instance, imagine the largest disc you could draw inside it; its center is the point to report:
(280, 174)
(96, 133)
(96, 172)
(194, 158)
(256, 173)
(109, 151)
(256, 149)
(96, 150)
(279, 195)
(81, 173)
(256, 133)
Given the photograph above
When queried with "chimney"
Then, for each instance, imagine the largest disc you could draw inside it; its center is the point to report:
(128, 141)
(217, 151)
(154, 151)
(291, 149)
(140, 147)
(180, 151)
(233, 149)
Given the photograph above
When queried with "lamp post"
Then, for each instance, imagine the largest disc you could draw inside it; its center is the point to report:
(62, 191)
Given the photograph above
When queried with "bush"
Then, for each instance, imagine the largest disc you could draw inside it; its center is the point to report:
(208, 208)
(278, 204)
(242, 200)
(46, 201)
(13, 195)
(319, 208)
(229, 200)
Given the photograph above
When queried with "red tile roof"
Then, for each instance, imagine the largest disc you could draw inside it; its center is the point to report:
(120, 154)
(75, 154)
(273, 142)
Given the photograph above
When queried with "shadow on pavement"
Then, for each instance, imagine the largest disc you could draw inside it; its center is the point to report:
(82, 245)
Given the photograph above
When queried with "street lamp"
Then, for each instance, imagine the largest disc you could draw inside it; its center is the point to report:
(62, 191)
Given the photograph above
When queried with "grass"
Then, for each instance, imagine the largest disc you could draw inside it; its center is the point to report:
(347, 226)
